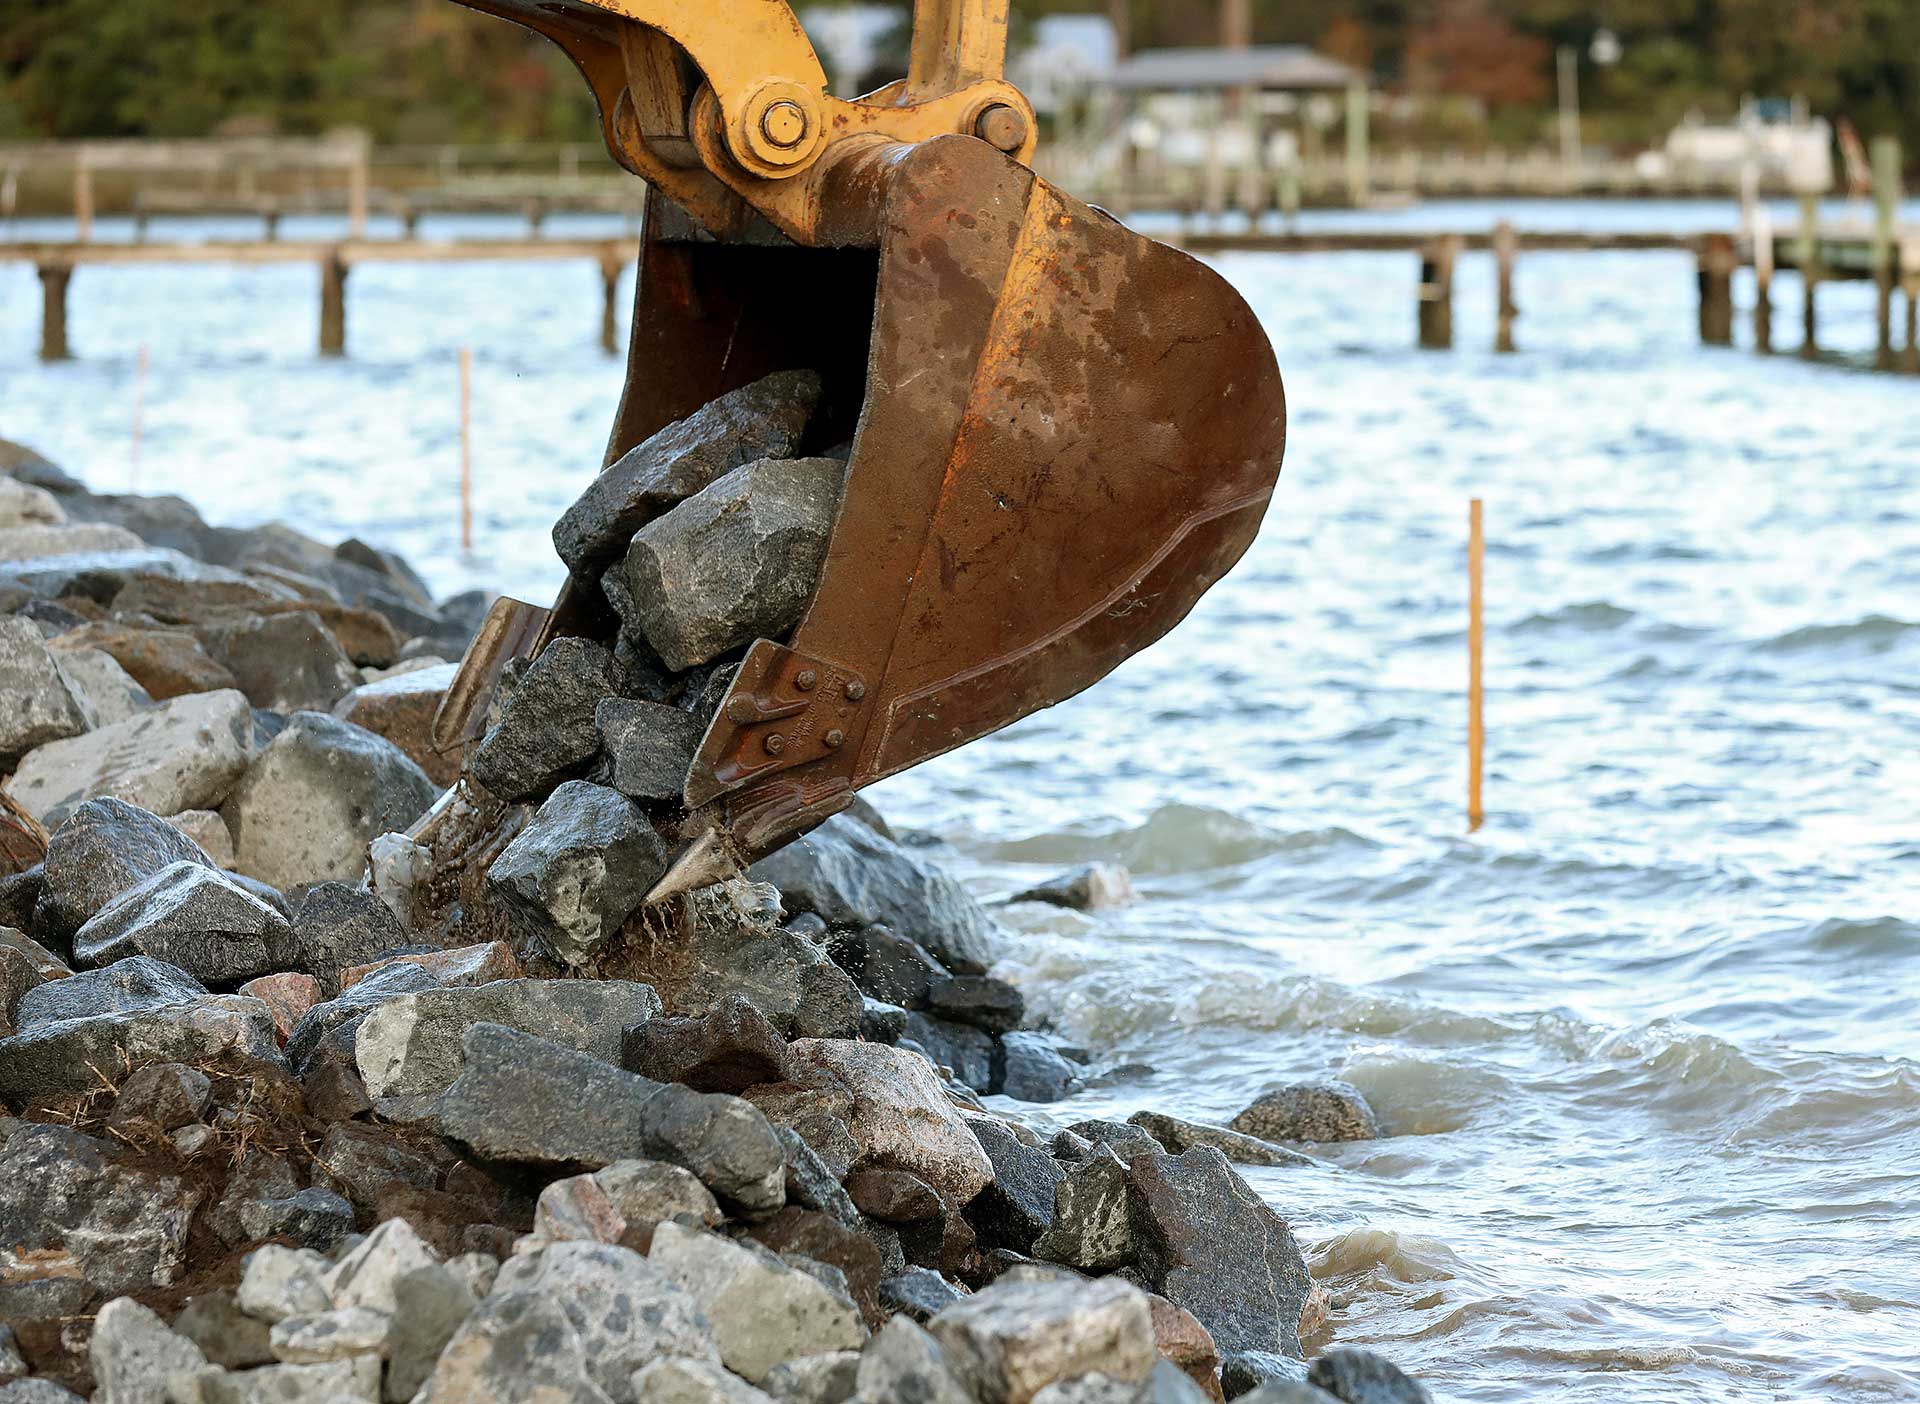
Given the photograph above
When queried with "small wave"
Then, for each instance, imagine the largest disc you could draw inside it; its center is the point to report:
(1875, 633)
(1181, 838)
(1595, 616)
(1881, 936)
(1426, 1096)
(1380, 1256)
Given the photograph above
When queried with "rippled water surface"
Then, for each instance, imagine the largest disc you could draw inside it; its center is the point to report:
(1646, 1045)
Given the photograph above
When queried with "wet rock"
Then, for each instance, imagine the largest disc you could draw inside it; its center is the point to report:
(401, 709)
(489, 1358)
(105, 847)
(225, 1334)
(734, 948)
(1320, 1111)
(1017, 1206)
(184, 754)
(881, 1022)
(761, 420)
(1177, 1136)
(853, 876)
(19, 894)
(136, 984)
(192, 917)
(893, 1196)
(761, 1312)
(411, 1045)
(1361, 1377)
(885, 965)
(737, 561)
(1123, 1138)
(919, 1294)
(1092, 1229)
(813, 1183)
(167, 663)
(520, 1098)
(650, 747)
(307, 808)
(979, 1000)
(339, 926)
(546, 728)
(135, 1356)
(54, 1058)
(283, 662)
(1208, 1243)
(1014, 1339)
(158, 1098)
(693, 1382)
(69, 1207)
(971, 1053)
(627, 1310)
(578, 870)
(1266, 1378)
(1086, 888)
(1033, 1070)
(40, 703)
(728, 1049)
(827, 1378)
(899, 1115)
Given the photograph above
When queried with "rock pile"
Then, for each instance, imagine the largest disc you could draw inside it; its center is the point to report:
(294, 1106)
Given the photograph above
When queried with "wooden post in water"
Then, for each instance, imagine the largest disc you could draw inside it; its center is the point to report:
(466, 448)
(54, 278)
(609, 289)
(1476, 686)
(1762, 280)
(1809, 254)
(333, 303)
(1506, 247)
(82, 201)
(1886, 207)
(1911, 361)
(1436, 293)
(357, 195)
(1717, 262)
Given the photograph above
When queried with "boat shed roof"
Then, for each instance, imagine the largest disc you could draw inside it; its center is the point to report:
(1272, 67)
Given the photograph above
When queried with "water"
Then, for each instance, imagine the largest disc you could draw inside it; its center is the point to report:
(1648, 1045)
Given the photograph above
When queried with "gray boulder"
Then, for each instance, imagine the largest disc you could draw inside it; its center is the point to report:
(546, 729)
(55, 1059)
(516, 1348)
(728, 1049)
(761, 420)
(410, 1046)
(106, 692)
(1034, 1070)
(1178, 1136)
(100, 575)
(135, 1356)
(1092, 1228)
(760, 1311)
(523, 1099)
(103, 848)
(626, 1308)
(316, 797)
(139, 982)
(159, 1098)
(725, 949)
(283, 662)
(122, 1228)
(1207, 1242)
(1362, 1377)
(192, 917)
(971, 1053)
(903, 1362)
(40, 703)
(852, 876)
(1310, 1111)
(226, 1335)
(1014, 1339)
(579, 869)
(649, 747)
(339, 927)
(1086, 888)
(186, 753)
(1016, 1207)
(737, 561)
(675, 1381)
(885, 965)
(984, 1001)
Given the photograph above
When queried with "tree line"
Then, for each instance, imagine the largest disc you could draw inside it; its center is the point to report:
(428, 70)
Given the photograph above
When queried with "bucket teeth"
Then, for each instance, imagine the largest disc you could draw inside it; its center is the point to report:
(704, 861)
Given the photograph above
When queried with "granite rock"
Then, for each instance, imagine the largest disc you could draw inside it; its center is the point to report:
(183, 754)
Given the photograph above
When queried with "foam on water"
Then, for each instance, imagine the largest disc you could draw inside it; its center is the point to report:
(1645, 1046)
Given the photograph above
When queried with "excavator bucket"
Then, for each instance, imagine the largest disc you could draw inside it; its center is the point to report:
(1063, 433)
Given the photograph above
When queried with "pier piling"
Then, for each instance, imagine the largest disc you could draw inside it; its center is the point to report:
(1762, 280)
(1717, 262)
(1506, 248)
(333, 304)
(54, 278)
(1436, 292)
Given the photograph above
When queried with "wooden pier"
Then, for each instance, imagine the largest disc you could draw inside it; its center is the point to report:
(57, 262)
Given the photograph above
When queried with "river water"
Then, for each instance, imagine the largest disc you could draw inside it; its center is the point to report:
(1647, 1045)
